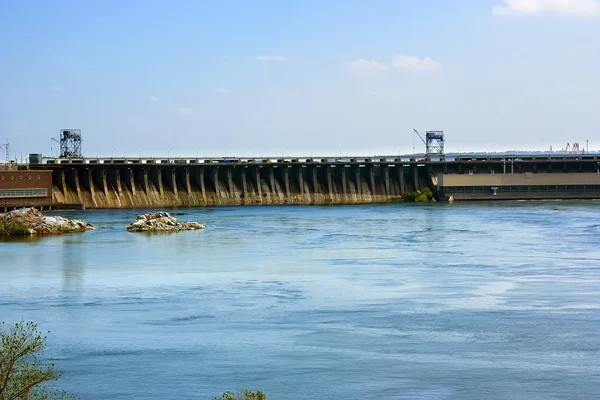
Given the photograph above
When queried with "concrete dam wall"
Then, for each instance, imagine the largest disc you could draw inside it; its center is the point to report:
(171, 185)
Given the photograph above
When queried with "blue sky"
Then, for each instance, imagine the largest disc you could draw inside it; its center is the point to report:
(299, 77)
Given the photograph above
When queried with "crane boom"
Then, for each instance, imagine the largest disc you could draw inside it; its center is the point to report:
(420, 137)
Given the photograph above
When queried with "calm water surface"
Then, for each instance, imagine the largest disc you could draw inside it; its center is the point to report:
(494, 301)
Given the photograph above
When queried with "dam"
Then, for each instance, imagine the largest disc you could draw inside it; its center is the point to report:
(184, 182)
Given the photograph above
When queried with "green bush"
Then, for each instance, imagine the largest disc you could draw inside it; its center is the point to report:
(242, 395)
(420, 196)
(10, 228)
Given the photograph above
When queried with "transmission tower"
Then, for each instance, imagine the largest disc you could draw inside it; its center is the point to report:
(70, 143)
(5, 145)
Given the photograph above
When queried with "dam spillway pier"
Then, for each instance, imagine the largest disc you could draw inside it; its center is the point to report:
(183, 182)
(176, 183)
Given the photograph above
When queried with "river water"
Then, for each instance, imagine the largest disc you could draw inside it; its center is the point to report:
(442, 301)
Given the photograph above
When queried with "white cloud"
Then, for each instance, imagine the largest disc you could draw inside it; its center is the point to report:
(531, 7)
(271, 58)
(55, 89)
(153, 98)
(415, 63)
(221, 90)
(365, 67)
(186, 112)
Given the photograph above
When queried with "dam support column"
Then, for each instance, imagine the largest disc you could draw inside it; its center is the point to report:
(246, 195)
(402, 180)
(145, 182)
(329, 184)
(63, 183)
(386, 179)
(161, 189)
(215, 181)
(90, 181)
(315, 180)
(358, 183)
(118, 179)
(230, 183)
(200, 177)
(286, 181)
(272, 183)
(77, 185)
(129, 180)
(344, 184)
(173, 182)
(301, 180)
(188, 185)
(258, 185)
(372, 181)
(416, 176)
(104, 183)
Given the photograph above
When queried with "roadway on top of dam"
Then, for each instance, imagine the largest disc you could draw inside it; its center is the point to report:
(404, 159)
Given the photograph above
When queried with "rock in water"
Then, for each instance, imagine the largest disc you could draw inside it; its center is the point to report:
(38, 223)
(161, 222)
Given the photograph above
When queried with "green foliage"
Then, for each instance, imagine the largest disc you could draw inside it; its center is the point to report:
(242, 395)
(23, 376)
(10, 228)
(420, 196)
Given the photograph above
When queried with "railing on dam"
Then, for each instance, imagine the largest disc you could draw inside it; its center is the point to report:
(233, 160)
(420, 158)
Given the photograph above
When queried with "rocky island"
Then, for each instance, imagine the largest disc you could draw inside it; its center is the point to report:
(161, 222)
(29, 221)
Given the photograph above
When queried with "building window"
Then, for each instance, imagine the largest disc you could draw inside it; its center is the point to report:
(10, 193)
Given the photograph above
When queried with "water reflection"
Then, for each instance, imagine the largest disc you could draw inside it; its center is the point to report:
(73, 261)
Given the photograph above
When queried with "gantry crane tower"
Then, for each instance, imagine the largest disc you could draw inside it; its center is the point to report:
(70, 143)
(434, 142)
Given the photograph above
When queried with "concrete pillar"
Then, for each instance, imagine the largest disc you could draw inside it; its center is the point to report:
(286, 181)
(161, 189)
(301, 180)
(416, 176)
(329, 183)
(247, 196)
(215, 180)
(131, 181)
(386, 179)
(315, 180)
(188, 185)
(344, 184)
(201, 184)
(372, 179)
(357, 177)
(272, 181)
(402, 180)
(258, 186)
(104, 183)
(77, 185)
(173, 181)
(230, 182)
(90, 181)
(63, 182)
(145, 182)
(118, 179)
